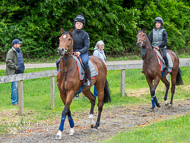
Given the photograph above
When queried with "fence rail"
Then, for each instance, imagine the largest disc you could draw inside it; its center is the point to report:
(119, 65)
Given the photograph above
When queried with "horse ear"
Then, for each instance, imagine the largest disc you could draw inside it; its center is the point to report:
(144, 29)
(137, 30)
(71, 31)
(62, 30)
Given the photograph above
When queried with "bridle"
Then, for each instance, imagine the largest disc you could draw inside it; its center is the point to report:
(66, 59)
(67, 50)
(144, 61)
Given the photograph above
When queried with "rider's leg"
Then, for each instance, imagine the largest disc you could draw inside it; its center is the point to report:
(85, 59)
(164, 56)
(57, 64)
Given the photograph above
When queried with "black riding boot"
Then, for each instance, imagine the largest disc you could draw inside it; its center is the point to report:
(88, 78)
(57, 67)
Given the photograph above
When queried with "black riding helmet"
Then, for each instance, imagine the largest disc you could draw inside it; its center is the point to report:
(79, 18)
(158, 19)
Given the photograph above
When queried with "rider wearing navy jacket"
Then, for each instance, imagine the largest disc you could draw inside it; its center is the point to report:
(158, 37)
(81, 44)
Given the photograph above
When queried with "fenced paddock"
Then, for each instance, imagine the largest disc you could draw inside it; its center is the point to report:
(116, 65)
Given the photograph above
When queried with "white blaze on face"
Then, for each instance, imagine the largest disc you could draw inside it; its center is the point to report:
(64, 36)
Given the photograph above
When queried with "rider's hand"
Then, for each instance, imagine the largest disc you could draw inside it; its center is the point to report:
(77, 54)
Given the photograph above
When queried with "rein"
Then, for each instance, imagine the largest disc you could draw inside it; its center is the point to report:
(148, 58)
(66, 59)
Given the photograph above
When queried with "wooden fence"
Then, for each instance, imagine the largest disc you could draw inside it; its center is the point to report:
(119, 65)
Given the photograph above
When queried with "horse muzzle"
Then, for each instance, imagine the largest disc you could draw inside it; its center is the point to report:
(61, 51)
(139, 45)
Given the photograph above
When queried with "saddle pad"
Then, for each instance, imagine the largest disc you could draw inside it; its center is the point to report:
(81, 69)
(162, 62)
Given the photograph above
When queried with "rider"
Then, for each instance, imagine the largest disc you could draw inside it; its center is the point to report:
(158, 37)
(81, 44)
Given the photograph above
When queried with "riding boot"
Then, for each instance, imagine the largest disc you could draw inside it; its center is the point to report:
(166, 62)
(57, 68)
(88, 78)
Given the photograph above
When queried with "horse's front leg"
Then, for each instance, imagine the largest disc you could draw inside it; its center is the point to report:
(66, 111)
(151, 85)
(153, 96)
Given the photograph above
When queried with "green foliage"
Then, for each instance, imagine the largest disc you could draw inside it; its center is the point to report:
(37, 23)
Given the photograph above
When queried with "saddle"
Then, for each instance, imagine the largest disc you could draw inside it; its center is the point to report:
(161, 60)
(81, 70)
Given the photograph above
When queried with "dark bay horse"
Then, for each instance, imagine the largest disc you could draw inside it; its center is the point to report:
(152, 71)
(68, 82)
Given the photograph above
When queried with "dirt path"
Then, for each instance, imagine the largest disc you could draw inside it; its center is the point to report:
(112, 121)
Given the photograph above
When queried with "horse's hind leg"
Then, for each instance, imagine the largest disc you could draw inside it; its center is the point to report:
(100, 106)
(167, 84)
(92, 99)
(173, 77)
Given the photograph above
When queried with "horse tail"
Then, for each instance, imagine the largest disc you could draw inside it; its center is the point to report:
(179, 80)
(107, 97)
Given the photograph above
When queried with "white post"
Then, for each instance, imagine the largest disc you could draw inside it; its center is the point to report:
(81, 95)
(52, 91)
(20, 97)
(123, 82)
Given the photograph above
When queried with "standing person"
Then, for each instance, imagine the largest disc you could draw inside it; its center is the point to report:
(81, 44)
(99, 52)
(158, 38)
(14, 65)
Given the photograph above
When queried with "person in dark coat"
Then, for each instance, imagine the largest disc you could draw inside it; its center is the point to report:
(14, 65)
(158, 37)
(81, 44)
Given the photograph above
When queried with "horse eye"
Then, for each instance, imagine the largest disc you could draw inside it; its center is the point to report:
(69, 39)
(143, 35)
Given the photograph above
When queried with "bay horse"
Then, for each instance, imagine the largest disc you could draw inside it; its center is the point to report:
(68, 82)
(152, 71)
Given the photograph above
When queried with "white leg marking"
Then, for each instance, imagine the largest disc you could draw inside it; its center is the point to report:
(71, 133)
(166, 103)
(91, 120)
(59, 135)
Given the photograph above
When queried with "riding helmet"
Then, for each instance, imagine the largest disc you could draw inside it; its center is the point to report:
(79, 18)
(158, 19)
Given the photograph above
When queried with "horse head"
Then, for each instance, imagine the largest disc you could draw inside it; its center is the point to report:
(65, 42)
(141, 38)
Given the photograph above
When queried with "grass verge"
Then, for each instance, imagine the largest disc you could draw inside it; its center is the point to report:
(167, 131)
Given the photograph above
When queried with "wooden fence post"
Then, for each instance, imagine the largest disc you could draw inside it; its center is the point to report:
(20, 98)
(52, 91)
(123, 82)
(81, 95)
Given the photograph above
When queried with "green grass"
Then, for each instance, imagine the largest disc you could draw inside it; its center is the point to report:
(168, 131)
(37, 94)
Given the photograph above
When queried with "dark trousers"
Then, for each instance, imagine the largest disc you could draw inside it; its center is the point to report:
(164, 55)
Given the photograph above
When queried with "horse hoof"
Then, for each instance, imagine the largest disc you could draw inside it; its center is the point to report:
(158, 105)
(170, 105)
(71, 133)
(166, 103)
(94, 130)
(57, 137)
(92, 126)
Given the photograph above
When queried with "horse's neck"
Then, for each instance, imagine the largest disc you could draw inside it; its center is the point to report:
(150, 50)
(66, 62)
